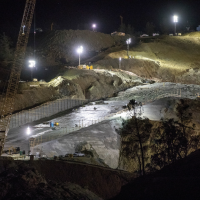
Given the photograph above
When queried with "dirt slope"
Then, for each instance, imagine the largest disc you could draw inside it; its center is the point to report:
(61, 46)
(173, 59)
(74, 84)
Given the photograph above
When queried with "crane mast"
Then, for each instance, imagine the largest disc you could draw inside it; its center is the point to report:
(9, 98)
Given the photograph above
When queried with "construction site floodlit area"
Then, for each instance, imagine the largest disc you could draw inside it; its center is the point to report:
(87, 115)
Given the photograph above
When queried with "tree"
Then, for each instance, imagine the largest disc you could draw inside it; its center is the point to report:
(122, 28)
(6, 52)
(150, 28)
(174, 140)
(134, 133)
(129, 29)
(164, 26)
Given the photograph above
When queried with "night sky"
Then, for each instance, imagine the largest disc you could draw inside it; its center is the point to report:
(67, 14)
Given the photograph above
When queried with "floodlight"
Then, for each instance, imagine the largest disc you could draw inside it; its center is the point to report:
(80, 49)
(31, 63)
(28, 131)
(175, 18)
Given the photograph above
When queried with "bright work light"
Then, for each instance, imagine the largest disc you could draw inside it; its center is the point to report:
(31, 63)
(175, 18)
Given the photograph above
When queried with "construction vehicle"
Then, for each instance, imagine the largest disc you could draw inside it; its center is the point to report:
(85, 67)
(11, 91)
(12, 150)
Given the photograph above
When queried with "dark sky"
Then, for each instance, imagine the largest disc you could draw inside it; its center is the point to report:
(67, 14)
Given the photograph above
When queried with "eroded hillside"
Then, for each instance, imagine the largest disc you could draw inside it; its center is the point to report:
(167, 58)
(75, 84)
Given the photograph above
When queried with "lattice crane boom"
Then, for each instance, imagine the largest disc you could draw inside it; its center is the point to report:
(9, 98)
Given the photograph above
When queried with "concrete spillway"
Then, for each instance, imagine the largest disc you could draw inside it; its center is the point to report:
(89, 126)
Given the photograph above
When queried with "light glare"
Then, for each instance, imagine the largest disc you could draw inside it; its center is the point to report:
(80, 49)
(175, 18)
(128, 41)
(28, 131)
(31, 63)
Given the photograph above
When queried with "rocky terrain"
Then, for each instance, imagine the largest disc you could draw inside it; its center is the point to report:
(58, 180)
(75, 84)
(131, 164)
(165, 58)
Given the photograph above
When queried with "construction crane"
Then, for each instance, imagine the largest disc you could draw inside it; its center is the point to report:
(9, 98)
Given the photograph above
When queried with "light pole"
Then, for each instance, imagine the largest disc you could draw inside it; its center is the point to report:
(23, 27)
(175, 21)
(28, 132)
(128, 41)
(94, 26)
(31, 65)
(120, 59)
(80, 50)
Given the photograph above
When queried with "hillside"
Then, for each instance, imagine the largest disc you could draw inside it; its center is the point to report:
(59, 180)
(58, 47)
(180, 180)
(166, 58)
(74, 84)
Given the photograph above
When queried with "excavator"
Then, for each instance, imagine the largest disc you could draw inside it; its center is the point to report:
(7, 107)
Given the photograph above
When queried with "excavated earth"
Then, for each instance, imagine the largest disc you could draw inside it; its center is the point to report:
(75, 84)
(167, 59)
(172, 59)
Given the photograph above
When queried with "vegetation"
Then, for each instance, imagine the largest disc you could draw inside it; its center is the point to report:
(134, 134)
(6, 50)
(174, 140)
(126, 29)
(150, 28)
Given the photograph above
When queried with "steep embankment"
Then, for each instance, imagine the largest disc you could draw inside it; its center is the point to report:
(173, 59)
(75, 84)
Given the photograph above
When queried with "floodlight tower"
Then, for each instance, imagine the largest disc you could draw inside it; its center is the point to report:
(128, 41)
(120, 60)
(31, 65)
(94, 26)
(80, 50)
(175, 21)
(28, 132)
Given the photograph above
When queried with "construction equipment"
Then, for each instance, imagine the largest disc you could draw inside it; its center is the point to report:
(8, 99)
(85, 67)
